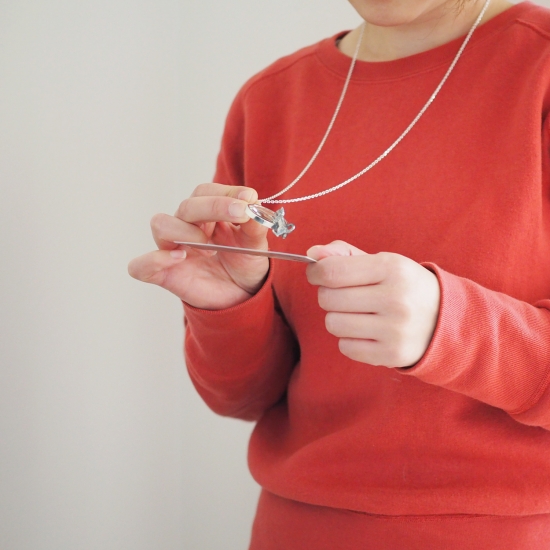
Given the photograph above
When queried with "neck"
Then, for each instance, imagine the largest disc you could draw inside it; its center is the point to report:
(389, 36)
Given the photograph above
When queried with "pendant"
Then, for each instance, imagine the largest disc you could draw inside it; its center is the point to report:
(273, 220)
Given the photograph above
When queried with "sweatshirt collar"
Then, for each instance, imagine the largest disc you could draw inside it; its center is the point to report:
(337, 62)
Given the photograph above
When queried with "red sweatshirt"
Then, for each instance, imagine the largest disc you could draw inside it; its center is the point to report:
(466, 193)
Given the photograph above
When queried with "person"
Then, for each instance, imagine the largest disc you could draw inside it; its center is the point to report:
(400, 384)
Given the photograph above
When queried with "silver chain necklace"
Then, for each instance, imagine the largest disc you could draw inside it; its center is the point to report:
(276, 220)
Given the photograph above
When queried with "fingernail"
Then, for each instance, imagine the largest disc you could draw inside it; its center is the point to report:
(237, 209)
(178, 254)
(311, 251)
(245, 195)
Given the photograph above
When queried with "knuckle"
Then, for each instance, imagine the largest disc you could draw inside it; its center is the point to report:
(401, 271)
(158, 222)
(218, 208)
(183, 209)
(248, 194)
(392, 303)
(396, 335)
(406, 312)
(395, 265)
(253, 194)
(399, 307)
(333, 272)
(200, 189)
(385, 258)
(401, 268)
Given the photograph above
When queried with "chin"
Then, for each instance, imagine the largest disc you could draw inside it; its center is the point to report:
(391, 13)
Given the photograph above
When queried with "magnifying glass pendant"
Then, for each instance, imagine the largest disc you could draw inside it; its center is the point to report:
(273, 220)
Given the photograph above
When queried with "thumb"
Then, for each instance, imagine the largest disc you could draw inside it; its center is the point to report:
(335, 248)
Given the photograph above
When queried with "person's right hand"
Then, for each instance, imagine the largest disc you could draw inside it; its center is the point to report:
(213, 213)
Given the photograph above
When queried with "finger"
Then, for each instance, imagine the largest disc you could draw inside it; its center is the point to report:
(150, 267)
(253, 235)
(240, 192)
(335, 248)
(167, 229)
(364, 326)
(348, 271)
(357, 299)
(368, 351)
(210, 208)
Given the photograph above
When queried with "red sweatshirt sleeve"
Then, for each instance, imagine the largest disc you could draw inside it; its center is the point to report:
(240, 359)
(492, 347)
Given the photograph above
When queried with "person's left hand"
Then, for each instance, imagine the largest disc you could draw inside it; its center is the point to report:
(383, 307)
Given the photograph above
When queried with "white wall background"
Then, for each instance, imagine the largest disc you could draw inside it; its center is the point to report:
(111, 111)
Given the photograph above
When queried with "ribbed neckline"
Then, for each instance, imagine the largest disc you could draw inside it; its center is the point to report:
(339, 63)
